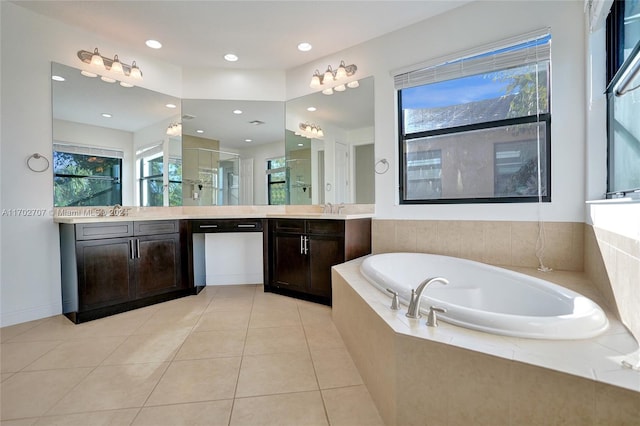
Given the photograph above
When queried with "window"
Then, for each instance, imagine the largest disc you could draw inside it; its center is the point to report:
(475, 127)
(151, 178)
(276, 181)
(85, 176)
(623, 99)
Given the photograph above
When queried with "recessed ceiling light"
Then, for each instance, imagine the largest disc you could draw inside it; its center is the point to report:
(107, 79)
(230, 57)
(300, 144)
(57, 78)
(311, 109)
(304, 47)
(248, 140)
(88, 74)
(199, 131)
(106, 115)
(237, 111)
(154, 44)
(170, 106)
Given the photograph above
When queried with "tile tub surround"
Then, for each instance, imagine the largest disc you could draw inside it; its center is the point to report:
(232, 355)
(501, 243)
(451, 375)
(612, 262)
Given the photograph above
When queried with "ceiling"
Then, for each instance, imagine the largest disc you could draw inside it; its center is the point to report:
(263, 34)
(197, 34)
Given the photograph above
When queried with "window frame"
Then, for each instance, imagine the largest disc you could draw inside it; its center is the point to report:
(271, 182)
(534, 118)
(617, 66)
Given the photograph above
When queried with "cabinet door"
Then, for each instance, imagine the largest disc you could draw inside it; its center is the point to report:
(324, 252)
(157, 264)
(105, 272)
(289, 262)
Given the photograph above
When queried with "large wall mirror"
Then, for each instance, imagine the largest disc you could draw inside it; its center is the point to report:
(137, 147)
(113, 144)
(329, 146)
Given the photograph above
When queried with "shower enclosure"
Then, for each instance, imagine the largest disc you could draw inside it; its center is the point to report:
(210, 177)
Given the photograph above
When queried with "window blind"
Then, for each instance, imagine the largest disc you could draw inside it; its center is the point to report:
(150, 150)
(516, 51)
(88, 150)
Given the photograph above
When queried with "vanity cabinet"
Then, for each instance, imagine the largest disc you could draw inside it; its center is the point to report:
(114, 267)
(302, 252)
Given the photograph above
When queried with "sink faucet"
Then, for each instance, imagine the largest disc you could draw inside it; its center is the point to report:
(328, 208)
(416, 296)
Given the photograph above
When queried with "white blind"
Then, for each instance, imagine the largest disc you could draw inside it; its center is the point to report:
(516, 51)
(88, 150)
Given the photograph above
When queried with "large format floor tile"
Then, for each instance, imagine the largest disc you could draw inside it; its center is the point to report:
(232, 355)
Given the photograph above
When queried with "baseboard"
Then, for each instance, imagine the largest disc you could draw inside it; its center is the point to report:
(29, 314)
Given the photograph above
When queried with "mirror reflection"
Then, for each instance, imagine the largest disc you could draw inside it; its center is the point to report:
(133, 146)
(329, 146)
(226, 146)
(106, 137)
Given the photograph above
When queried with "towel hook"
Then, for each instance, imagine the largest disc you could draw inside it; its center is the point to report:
(37, 156)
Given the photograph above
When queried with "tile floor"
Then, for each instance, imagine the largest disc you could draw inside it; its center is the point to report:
(232, 355)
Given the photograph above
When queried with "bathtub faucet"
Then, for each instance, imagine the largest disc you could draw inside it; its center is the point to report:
(416, 296)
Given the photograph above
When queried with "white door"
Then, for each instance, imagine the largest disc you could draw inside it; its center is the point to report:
(342, 174)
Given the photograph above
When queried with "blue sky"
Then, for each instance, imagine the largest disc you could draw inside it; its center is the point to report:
(453, 92)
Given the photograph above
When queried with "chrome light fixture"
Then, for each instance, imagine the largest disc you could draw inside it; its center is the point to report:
(102, 63)
(332, 79)
(311, 131)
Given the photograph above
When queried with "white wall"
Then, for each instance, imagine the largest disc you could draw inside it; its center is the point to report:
(460, 29)
(30, 273)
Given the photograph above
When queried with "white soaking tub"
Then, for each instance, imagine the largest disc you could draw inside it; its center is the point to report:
(488, 298)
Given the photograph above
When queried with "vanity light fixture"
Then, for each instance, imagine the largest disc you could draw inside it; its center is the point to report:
(174, 129)
(332, 79)
(311, 131)
(107, 64)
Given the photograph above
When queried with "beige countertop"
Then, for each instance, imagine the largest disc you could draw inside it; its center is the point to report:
(74, 215)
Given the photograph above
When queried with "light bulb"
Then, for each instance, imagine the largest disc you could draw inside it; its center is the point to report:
(328, 91)
(135, 72)
(340, 88)
(320, 133)
(96, 59)
(116, 66)
(315, 80)
(341, 72)
(353, 84)
(328, 76)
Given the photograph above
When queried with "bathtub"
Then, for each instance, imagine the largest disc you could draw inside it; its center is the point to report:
(488, 298)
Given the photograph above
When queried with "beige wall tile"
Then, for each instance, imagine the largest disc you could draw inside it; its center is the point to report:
(616, 406)
(351, 406)
(406, 235)
(473, 240)
(540, 396)
(524, 237)
(383, 236)
(449, 237)
(426, 236)
(497, 243)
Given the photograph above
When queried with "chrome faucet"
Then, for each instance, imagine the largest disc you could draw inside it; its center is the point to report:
(416, 296)
(328, 208)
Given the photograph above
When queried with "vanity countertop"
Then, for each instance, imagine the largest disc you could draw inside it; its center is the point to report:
(93, 215)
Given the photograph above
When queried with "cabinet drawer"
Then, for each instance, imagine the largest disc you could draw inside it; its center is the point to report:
(94, 231)
(226, 225)
(154, 227)
(325, 227)
(289, 225)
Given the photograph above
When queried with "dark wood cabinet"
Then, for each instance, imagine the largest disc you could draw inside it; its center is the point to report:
(302, 252)
(114, 267)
